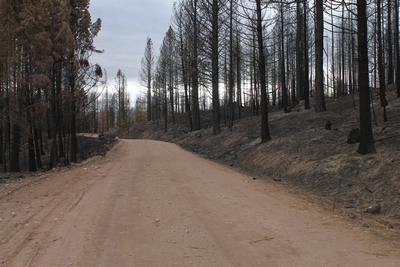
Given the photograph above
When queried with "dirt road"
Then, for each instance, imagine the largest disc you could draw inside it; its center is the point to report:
(149, 203)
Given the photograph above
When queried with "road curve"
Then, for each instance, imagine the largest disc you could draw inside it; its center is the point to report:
(151, 203)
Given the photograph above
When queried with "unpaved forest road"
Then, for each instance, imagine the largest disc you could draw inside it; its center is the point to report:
(149, 203)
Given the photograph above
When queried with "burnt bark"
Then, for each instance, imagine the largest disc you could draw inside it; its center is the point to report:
(366, 136)
(15, 148)
(215, 68)
(381, 68)
(265, 135)
(31, 151)
(397, 45)
(306, 60)
(319, 57)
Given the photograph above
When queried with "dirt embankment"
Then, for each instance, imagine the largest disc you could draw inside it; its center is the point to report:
(312, 161)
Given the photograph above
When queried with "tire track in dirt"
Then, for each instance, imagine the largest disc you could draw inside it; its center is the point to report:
(38, 206)
(150, 203)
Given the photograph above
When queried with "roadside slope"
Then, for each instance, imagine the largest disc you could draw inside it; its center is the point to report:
(305, 157)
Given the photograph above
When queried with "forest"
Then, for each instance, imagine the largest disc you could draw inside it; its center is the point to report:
(217, 55)
(46, 81)
(226, 55)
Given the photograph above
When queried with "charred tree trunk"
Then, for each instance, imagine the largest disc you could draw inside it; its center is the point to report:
(165, 106)
(381, 68)
(230, 96)
(15, 148)
(37, 148)
(319, 57)
(397, 45)
(366, 136)
(265, 135)
(74, 139)
(238, 78)
(306, 60)
(299, 54)
(31, 151)
(54, 119)
(285, 99)
(184, 75)
(195, 72)
(215, 69)
(2, 158)
(390, 42)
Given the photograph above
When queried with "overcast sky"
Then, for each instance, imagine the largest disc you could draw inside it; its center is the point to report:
(126, 24)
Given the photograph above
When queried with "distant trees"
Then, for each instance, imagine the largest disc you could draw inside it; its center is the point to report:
(146, 73)
(166, 75)
(112, 108)
(123, 100)
(181, 27)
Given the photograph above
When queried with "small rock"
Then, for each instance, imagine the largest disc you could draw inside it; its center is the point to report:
(328, 125)
(351, 216)
(354, 136)
(187, 231)
(13, 214)
(374, 209)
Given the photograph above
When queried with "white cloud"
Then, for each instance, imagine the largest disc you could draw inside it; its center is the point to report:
(125, 28)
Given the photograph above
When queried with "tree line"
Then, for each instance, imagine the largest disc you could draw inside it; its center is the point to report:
(45, 80)
(219, 55)
(231, 54)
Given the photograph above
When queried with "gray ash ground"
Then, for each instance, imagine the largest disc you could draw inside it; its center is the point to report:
(94, 146)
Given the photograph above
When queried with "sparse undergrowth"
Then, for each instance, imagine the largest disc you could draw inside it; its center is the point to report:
(89, 145)
(306, 158)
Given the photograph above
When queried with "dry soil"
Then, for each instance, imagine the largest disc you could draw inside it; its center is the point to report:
(149, 203)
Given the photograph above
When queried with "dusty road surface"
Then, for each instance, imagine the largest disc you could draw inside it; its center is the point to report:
(149, 203)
